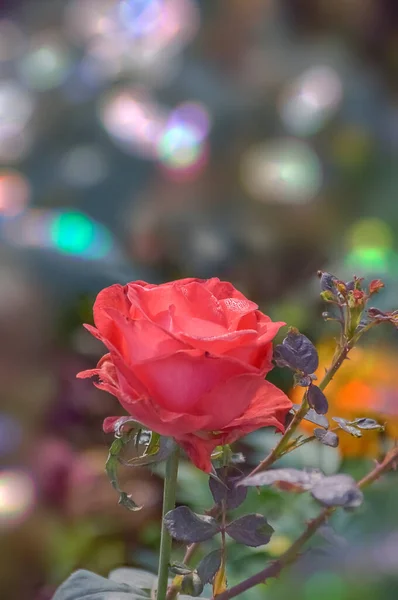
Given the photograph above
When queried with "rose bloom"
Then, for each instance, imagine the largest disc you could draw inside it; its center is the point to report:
(187, 359)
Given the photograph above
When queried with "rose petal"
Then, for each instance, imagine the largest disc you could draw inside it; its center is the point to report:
(268, 408)
(178, 382)
(232, 399)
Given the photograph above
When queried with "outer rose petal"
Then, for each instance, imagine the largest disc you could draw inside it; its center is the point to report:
(268, 408)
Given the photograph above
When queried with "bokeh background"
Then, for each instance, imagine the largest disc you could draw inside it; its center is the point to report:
(254, 140)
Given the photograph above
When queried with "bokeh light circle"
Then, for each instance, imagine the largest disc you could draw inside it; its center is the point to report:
(47, 64)
(133, 120)
(14, 193)
(84, 166)
(285, 171)
(310, 100)
(17, 496)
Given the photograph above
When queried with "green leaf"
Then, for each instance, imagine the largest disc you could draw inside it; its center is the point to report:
(111, 469)
(84, 585)
(134, 577)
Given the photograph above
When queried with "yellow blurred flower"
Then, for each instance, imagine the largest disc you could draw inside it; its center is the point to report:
(366, 385)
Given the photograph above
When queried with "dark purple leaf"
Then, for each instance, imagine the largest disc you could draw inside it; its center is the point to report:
(192, 585)
(303, 381)
(186, 526)
(297, 352)
(292, 480)
(251, 530)
(209, 566)
(345, 426)
(338, 490)
(364, 423)
(317, 400)
(327, 282)
(328, 438)
(226, 489)
(312, 417)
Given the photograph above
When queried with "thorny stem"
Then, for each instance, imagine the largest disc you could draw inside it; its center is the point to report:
(292, 553)
(302, 411)
(169, 497)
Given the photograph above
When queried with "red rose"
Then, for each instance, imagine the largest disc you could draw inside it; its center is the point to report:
(187, 359)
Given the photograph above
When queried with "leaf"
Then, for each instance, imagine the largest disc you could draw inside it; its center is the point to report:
(84, 585)
(208, 566)
(251, 530)
(291, 480)
(312, 417)
(338, 490)
(328, 282)
(111, 469)
(297, 352)
(226, 489)
(317, 400)
(179, 568)
(156, 451)
(134, 577)
(365, 423)
(345, 426)
(328, 438)
(186, 526)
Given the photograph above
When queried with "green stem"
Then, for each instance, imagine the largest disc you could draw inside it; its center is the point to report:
(169, 498)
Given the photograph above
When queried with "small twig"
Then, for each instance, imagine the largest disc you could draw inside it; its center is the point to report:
(272, 570)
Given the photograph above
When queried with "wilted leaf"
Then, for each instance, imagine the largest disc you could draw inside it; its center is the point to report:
(312, 417)
(111, 466)
(225, 489)
(317, 400)
(345, 426)
(157, 451)
(251, 530)
(297, 352)
(192, 585)
(84, 585)
(180, 568)
(365, 423)
(328, 438)
(291, 480)
(186, 526)
(338, 490)
(209, 566)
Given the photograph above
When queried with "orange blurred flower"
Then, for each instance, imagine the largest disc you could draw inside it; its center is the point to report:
(366, 385)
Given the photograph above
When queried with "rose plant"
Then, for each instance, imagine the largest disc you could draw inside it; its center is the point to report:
(187, 361)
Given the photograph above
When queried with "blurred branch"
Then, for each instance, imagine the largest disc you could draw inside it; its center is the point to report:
(390, 462)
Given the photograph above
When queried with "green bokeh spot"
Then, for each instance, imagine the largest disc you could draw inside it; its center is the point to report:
(369, 259)
(72, 233)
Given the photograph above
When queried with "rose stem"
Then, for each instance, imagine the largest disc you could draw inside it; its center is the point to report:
(292, 553)
(302, 411)
(169, 497)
